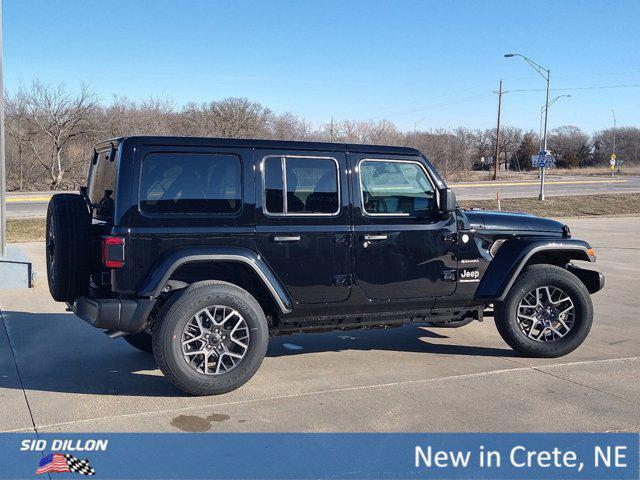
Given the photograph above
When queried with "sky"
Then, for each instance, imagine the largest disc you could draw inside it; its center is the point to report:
(421, 64)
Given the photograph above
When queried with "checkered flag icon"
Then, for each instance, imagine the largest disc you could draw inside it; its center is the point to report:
(79, 466)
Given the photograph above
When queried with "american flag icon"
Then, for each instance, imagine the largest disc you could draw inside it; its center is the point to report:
(63, 463)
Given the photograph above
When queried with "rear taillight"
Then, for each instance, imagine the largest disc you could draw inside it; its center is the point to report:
(113, 252)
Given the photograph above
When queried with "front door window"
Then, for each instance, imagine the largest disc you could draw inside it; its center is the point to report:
(395, 188)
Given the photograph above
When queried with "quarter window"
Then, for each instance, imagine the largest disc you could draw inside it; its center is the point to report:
(301, 186)
(395, 188)
(183, 183)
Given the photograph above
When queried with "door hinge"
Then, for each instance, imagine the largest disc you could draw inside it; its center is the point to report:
(343, 240)
(449, 275)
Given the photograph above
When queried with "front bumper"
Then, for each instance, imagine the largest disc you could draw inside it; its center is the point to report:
(115, 314)
(594, 281)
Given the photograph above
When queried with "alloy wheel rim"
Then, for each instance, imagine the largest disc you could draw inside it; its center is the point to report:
(215, 340)
(546, 314)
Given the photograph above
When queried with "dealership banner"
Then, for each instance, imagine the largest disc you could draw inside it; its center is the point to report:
(320, 455)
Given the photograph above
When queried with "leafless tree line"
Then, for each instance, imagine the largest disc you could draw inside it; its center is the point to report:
(50, 133)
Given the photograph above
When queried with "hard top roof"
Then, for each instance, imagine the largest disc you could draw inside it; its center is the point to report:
(256, 143)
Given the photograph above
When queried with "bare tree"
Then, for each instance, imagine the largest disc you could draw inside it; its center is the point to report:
(50, 134)
(148, 117)
(288, 126)
(568, 143)
(627, 145)
(510, 139)
(228, 118)
(60, 117)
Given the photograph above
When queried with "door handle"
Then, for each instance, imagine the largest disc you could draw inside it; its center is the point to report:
(287, 238)
(373, 238)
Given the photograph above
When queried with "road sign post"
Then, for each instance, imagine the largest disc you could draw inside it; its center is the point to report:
(612, 163)
(541, 163)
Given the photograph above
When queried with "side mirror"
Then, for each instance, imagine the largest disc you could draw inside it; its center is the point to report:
(448, 202)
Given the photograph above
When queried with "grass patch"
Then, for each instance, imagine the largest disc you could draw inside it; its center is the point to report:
(25, 230)
(511, 176)
(569, 206)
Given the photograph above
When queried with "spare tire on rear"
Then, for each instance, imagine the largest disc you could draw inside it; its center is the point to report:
(68, 246)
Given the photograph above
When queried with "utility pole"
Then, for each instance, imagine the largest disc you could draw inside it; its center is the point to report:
(331, 129)
(495, 163)
(3, 211)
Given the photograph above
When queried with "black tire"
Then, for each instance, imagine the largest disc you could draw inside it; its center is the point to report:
(179, 310)
(538, 276)
(68, 247)
(142, 341)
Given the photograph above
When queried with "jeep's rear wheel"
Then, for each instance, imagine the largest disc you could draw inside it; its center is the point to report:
(547, 313)
(210, 338)
(68, 245)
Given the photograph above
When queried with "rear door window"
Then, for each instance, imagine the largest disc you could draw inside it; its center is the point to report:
(297, 185)
(190, 183)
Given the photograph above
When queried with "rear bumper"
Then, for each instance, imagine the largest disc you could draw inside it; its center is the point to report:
(115, 314)
(594, 281)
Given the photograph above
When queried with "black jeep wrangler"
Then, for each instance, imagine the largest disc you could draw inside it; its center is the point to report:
(199, 249)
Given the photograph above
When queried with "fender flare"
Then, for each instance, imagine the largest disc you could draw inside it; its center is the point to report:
(169, 263)
(514, 254)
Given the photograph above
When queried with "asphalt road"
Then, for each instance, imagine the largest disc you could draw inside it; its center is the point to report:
(34, 204)
(59, 374)
(27, 204)
(554, 186)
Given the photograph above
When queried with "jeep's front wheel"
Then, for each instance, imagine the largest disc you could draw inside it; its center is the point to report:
(547, 313)
(210, 338)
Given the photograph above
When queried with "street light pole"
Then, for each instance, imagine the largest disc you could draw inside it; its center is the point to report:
(547, 77)
(544, 149)
(541, 120)
(542, 109)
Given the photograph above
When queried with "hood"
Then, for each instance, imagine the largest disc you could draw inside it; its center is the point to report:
(515, 222)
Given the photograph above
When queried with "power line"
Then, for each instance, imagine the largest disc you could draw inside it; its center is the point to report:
(441, 104)
(599, 74)
(442, 95)
(573, 89)
(454, 92)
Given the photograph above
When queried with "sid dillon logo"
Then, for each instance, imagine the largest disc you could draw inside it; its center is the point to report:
(64, 462)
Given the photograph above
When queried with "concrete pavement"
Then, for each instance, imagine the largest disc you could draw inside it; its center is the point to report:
(59, 374)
